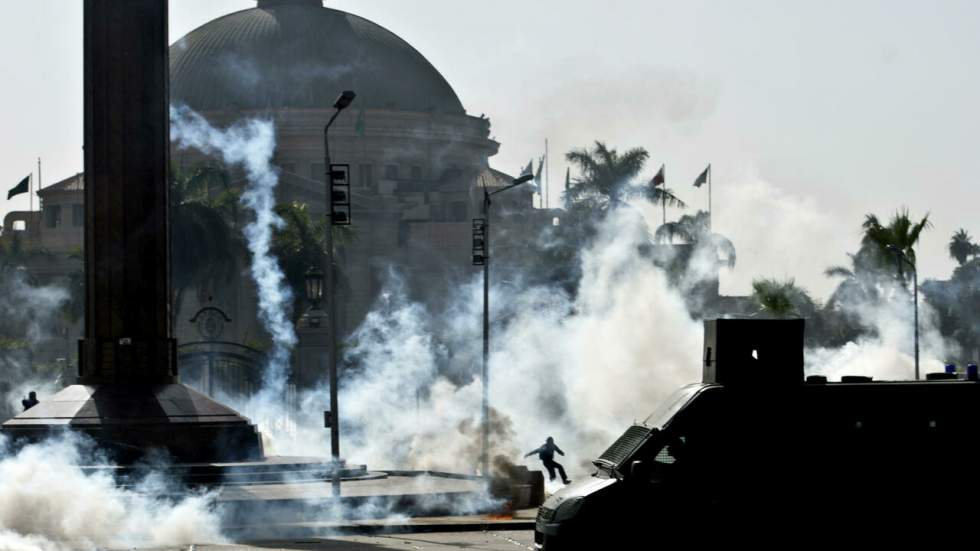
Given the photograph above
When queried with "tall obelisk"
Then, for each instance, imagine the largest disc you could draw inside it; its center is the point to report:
(128, 396)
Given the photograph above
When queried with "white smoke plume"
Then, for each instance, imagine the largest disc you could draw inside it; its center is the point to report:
(250, 144)
(577, 369)
(887, 353)
(28, 311)
(30, 307)
(48, 503)
(785, 235)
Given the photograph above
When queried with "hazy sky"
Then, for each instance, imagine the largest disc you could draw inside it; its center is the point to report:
(812, 114)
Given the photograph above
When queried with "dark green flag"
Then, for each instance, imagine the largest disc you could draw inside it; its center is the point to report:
(19, 188)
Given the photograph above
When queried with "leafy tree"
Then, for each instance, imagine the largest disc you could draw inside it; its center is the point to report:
(206, 248)
(962, 247)
(696, 230)
(901, 232)
(607, 177)
(859, 282)
(875, 262)
(782, 299)
(301, 245)
(873, 270)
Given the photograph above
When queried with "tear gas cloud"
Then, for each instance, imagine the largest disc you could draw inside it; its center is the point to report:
(887, 353)
(576, 367)
(250, 145)
(28, 312)
(48, 503)
(579, 368)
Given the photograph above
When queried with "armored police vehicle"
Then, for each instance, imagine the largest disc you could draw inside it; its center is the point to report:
(755, 446)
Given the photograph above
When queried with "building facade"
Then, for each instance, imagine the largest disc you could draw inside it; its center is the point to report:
(419, 162)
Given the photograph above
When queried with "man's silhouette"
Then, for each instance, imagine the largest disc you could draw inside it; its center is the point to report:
(30, 401)
(546, 454)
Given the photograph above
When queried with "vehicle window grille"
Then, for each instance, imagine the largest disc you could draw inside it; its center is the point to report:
(665, 457)
(625, 445)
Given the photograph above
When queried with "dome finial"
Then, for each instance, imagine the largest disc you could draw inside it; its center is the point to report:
(277, 3)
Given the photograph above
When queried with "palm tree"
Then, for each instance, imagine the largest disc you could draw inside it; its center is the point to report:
(695, 230)
(660, 194)
(206, 249)
(858, 284)
(301, 245)
(609, 179)
(782, 299)
(607, 176)
(962, 247)
(873, 269)
(901, 233)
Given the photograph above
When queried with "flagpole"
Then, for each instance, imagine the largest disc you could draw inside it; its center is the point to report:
(38, 182)
(663, 170)
(546, 173)
(709, 196)
(564, 195)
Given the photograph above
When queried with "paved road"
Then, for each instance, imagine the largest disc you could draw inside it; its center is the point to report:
(491, 541)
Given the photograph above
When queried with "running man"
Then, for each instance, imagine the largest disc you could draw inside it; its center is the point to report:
(546, 454)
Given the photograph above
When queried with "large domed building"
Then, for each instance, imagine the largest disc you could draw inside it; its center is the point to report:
(296, 54)
(418, 160)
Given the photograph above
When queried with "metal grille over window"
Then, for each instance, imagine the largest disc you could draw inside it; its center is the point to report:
(625, 445)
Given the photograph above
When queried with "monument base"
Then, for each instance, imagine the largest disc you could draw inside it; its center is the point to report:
(132, 421)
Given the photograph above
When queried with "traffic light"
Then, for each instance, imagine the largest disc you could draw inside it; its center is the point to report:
(479, 241)
(340, 209)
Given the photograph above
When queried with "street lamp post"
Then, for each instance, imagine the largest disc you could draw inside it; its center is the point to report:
(343, 101)
(485, 421)
(900, 256)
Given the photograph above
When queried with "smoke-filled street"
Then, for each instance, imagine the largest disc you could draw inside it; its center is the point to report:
(326, 274)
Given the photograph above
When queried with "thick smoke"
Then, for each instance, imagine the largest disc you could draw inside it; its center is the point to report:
(28, 312)
(579, 369)
(48, 503)
(576, 367)
(250, 145)
(886, 353)
(784, 235)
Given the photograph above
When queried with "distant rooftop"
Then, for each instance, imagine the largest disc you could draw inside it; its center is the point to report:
(71, 183)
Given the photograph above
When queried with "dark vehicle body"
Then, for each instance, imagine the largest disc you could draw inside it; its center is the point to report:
(734, 455)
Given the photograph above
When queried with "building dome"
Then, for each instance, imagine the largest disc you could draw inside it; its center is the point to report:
(299, 54)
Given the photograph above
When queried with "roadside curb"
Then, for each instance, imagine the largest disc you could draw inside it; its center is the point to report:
(262, 533)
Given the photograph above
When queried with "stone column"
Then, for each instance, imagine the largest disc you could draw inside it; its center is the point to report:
(127, 398)
(127, 305)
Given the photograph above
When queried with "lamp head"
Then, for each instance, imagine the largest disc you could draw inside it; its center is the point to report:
(314, 286)
(344, 100)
